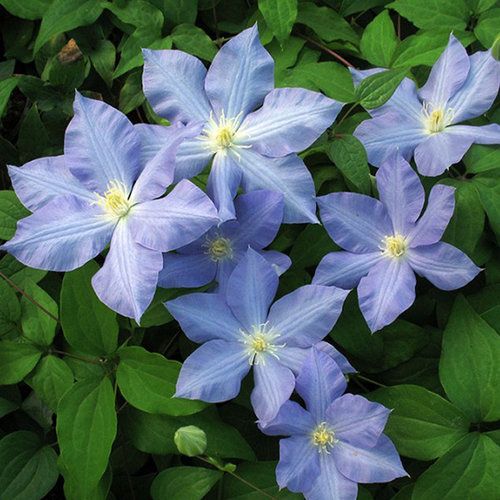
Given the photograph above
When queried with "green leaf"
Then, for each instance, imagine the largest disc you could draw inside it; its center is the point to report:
(379, 40)
(86, 429)
(312, 244)
(19, 273)
(376, 89)
(184, 483)
(481, 158)
(469, 368)
(65, 15)
(51, 379)
(88, 325)
(468, 470)
(33, 140)
(429, 14)
(488, 189)
(131, 95)
(138, 13)
(16, 360)
(103, 57)
(280, 15)
(422, 424)
(488, 27)
(326, 23)
(147, 381)
(28, 469)
(6, 88)
(10, 309)
(26, 9)
(7, 406)
(178, 11)
(37, 325)
(194, 40)
(349, 156)
(11, 210)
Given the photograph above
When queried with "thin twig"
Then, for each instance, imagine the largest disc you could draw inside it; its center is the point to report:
(346, 114)
(327, 50)
(366, 379)
(76, 356)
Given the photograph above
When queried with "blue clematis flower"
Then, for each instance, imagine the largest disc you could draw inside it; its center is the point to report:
(215, 255)
(239, 331)
(252, 148)
(337, 442)
(99, 191)
(386, 245)
(424, 122)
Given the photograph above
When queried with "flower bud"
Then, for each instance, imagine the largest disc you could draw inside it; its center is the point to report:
(190, 440)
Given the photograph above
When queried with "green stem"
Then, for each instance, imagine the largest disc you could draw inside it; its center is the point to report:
(366, 379)
(329, 51)
(347, 113)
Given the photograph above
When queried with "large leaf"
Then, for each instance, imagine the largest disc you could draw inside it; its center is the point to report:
(147, 381)
(6, 88)
(279, 16)
(26, 9)
(469, 367)
(422, 424)
(376, 89)
(11, 211)
(86, 429)
(10, 309)
(88, 325)
(379, 40)
(16, 361)
(28, 469)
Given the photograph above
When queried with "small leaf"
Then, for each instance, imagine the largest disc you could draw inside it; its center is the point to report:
(11, 210)
(194, 40)
(16, 360)
(26, 9)
(103, 59)
(379, 40)
(10, 309)
(376, 89)
(280, 15)
(488, 27)
(6, 88)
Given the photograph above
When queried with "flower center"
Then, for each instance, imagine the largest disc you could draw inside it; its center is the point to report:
(394, 246)
(259, 342)
(436, 119)
(220, 248)
(323, 437)
(115, 200)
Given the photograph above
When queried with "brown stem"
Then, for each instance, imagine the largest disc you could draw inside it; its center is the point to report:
(327, 50)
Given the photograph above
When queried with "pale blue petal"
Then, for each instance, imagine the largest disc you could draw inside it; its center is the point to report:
(378, 464)
(355, 221)
(175, 220)
(331, 484)
(62, 235)
(223, 183)
(127, 281)
(101, 145)
(447, 75)
(274, 384)
(401, 192)
(337, 356)
(319, 383)
(306, 315)
(186, 271)
(241, 75)
(386, 291)
(173, 84)
(291, 420)
(39, 181)
(345, 269)
(431, 226)
(443, 265)
(213, 373)
(205, 316)
(288, 176)
(299, 464)
(290, 120)
(479, 90)
(356, 420)
(487, 134)
(280, 261)
(251, 289)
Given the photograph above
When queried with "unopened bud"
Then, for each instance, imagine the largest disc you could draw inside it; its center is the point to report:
(190, 440)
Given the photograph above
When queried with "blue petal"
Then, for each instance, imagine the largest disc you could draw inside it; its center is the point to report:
(274, 384)
(299, 464)
(213, 373)
(306, 315)
(319, 383)
(291, 420)
(173, 84)
(377, 464)
(223, 183)
(251, 289)
(173, 221)
(387, 291)
(101, 145)
(345, 269)
(479, 90)
(62, 235)
(241, 75)
(288, 176)
(487, 134)
(356, 420)
(280, 261)
(289, 121)
(443, 265)
(205, 316)
(447, 75)
(337, 356)
(39, 181)
(186, 271)
(355, 221)
(431, 226)
(401, 192)
(127, 281)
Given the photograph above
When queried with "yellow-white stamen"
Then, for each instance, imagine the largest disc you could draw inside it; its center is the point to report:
(436, 118)
(394, 246)
(222, 134)
(323, 437)
(219, 248)
(115, 200)
(259, 342)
